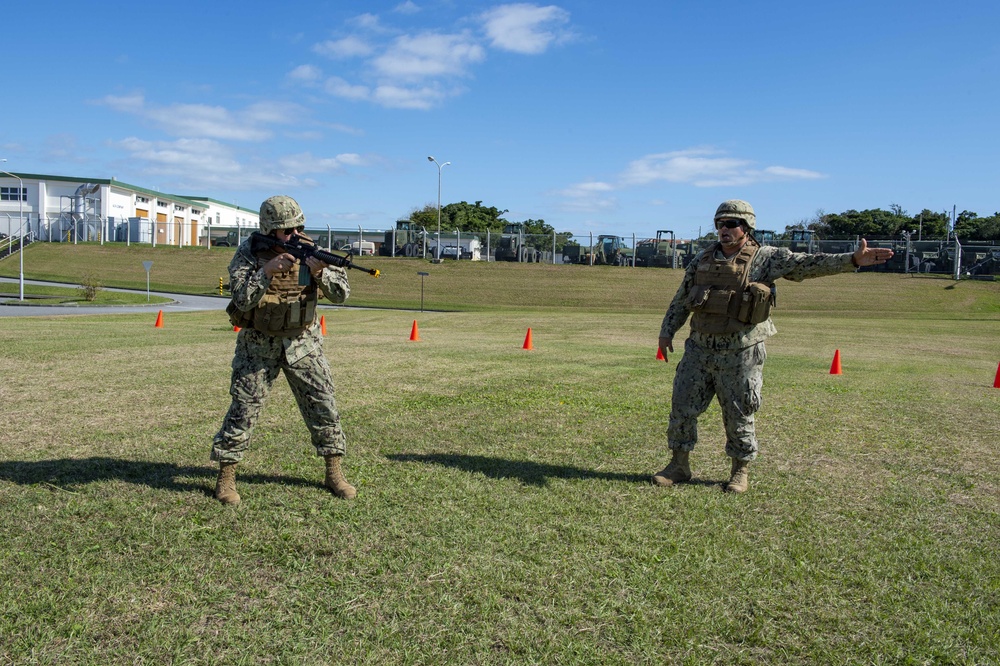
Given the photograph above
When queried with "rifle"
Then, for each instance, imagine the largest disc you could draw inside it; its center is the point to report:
(302, 249)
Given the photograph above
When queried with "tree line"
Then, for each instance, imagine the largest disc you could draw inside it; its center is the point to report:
(872, 223)
(474, 217)
(878, 223)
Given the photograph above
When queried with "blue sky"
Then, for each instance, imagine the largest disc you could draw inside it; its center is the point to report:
(595, 116)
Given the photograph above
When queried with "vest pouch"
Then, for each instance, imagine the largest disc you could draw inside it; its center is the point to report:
(238, 317)
(719, 301)
(755, 303)
(697, 297)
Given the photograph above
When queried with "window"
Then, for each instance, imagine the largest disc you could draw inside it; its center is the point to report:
(10, 194)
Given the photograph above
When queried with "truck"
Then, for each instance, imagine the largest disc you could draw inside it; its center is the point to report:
(659, 252)
(407, 239)
(511, 245)
(608, 250)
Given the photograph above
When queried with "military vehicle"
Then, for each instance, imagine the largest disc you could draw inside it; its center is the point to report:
(511, 245)
(607, 251)
(408, 239)
(657, 252)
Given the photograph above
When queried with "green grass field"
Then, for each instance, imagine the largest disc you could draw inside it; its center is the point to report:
(53, 295)
(504, 513)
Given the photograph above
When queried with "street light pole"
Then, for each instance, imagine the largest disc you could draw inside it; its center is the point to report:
(440, 167)
(20, 219)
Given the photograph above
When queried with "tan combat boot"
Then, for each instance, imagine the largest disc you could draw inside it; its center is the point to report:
(225, 485)
(678, 471)
(335, 480)
(739, 477)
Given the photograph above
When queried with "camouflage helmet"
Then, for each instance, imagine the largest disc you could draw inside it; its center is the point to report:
(736, 209)
(280, 212)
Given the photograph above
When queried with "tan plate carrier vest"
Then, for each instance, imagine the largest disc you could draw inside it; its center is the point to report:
(287, 307)
(722, 299)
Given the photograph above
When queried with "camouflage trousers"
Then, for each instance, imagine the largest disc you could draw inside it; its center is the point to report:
(735, 377)
(253, 377)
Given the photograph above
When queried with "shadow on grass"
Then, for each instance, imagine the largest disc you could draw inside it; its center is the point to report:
(71, 473)
(525, 471)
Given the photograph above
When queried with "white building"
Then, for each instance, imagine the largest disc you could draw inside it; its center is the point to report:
(65, 208)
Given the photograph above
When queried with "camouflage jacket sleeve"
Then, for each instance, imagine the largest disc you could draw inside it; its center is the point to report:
(768, 265)
(334, 285)
(678, 313)
(247, 282)
(772, 263)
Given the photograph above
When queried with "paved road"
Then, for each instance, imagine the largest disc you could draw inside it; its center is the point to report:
(181, 303)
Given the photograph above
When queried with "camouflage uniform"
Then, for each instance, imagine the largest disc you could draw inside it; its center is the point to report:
(730, 366)
(259, 357)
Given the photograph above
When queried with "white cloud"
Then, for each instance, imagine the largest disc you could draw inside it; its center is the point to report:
(392, 96)
(132, 103)
(588, 197)
(204, 121)
(698, 167)
(412, 58)
(200, 165)
(586, 189)
(306, 73)
(408, 7)
(200, 120)
(792, 174)
(341, 88)
(399, 97)
(367, 21)
(525, 28)
(705, 167)
(308, 163)
(346, 47)
(407, 70)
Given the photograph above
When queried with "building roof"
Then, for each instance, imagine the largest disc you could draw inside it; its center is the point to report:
(113, 182)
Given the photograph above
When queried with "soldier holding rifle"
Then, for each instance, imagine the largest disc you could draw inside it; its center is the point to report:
(274, 302)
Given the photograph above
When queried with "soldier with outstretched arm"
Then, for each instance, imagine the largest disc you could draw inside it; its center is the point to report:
(274, 303)
(728, 291)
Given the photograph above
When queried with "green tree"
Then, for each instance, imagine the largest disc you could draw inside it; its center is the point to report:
(876, 223)
(970, 227)
(929, 224)
(474, 217)
(538, 227)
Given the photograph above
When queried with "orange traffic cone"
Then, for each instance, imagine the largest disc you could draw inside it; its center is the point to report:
(236, 329)
(159, 320)
(527, 341)
(322, 325)
(996, 382)
(835, 366)
(414, 332)
(659, 355)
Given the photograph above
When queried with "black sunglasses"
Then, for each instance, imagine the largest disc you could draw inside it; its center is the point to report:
(728, 224)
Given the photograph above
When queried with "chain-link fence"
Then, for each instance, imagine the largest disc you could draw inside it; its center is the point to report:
(972, 259)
